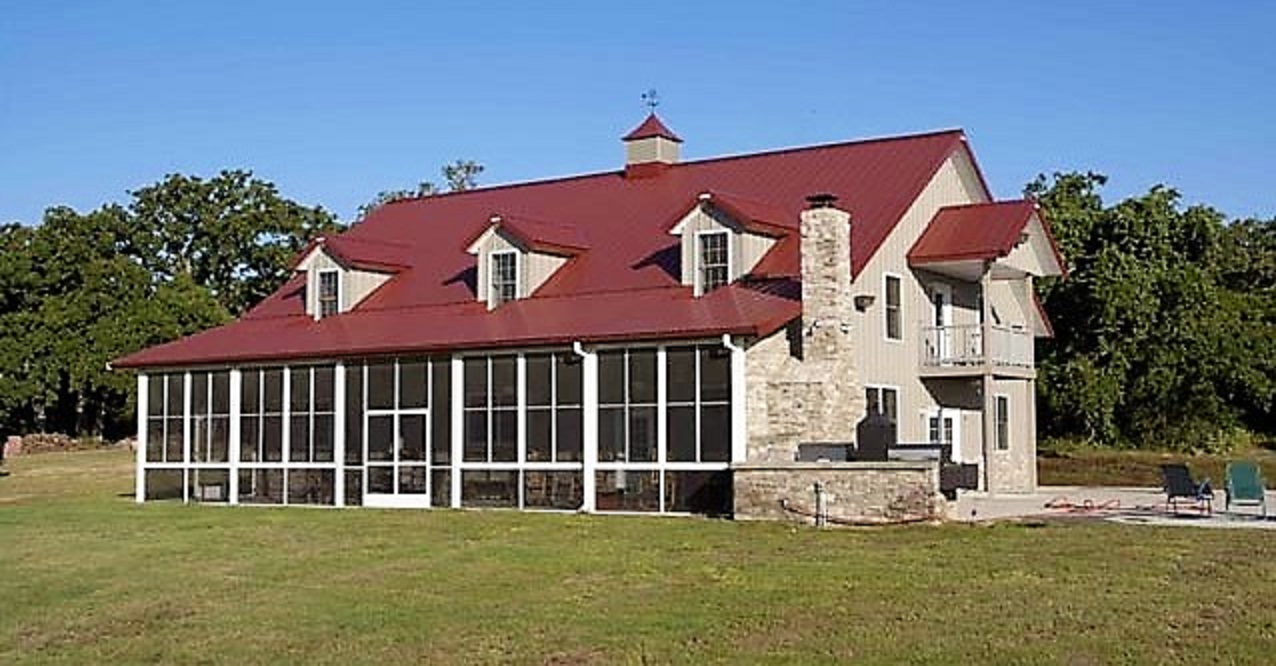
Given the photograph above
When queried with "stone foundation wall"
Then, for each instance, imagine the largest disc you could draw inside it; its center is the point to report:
(858, 492)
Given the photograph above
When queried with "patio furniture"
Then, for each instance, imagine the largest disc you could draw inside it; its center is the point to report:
(1177, 482)
(1245, 485)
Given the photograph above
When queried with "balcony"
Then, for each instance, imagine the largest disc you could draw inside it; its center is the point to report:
(961, 351)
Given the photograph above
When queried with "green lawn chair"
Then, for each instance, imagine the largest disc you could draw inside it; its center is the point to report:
(1245, 485)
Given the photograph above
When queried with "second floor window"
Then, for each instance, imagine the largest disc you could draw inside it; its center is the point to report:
(329, 293)
(892, 310)
(503, 277)
(714, 264)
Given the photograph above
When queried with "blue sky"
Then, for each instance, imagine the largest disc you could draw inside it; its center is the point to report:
(335, 102)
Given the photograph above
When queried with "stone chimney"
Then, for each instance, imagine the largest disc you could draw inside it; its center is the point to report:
(834, 399)
(814, 396)
(650, 149)
(826, 279)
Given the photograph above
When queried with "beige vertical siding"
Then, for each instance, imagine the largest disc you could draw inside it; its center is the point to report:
(895, 363)
(1034, 257)
(654, 149)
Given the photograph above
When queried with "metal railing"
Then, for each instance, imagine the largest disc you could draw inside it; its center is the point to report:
(963, 346)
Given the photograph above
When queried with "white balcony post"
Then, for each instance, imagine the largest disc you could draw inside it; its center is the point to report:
(985, 281)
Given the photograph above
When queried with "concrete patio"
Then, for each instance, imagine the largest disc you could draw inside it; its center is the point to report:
(1140, 506)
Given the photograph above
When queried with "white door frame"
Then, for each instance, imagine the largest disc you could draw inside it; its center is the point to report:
(942, 319)
(954, 416)
(397, 500)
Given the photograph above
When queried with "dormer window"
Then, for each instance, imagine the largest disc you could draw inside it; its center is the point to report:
(340, 272)
(503, 276)
(516, 255)
(725, 237)
(714, 258)
(329, 293)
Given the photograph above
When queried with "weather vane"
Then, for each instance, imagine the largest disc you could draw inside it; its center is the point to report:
(651, 99)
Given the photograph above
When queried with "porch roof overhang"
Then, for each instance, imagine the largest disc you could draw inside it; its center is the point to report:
(1011, 239)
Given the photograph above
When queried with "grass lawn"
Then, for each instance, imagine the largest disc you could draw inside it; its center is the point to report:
(1112, 467)
(90, 577)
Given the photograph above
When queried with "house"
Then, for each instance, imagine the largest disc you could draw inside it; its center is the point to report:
(664, 337)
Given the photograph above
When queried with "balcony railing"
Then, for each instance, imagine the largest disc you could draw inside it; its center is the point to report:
(963, 346)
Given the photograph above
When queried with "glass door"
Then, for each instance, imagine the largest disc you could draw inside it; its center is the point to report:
(397, 436)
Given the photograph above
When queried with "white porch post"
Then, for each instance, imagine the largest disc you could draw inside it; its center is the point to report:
(589, 420)
(739, 431)
(285, 425)
(142, 407)
(339, 432)
(233, 451)
(520, 379)
(458, 415)
(186, 436)
(662, 409)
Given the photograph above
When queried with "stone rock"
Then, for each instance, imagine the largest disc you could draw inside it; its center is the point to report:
(46, 442)
(12, 446)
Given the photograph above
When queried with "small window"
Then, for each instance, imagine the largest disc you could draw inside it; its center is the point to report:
(893, 313)
(883, 400)
(714, 262)
(1003, 423)
(329, 293)
(503, 277)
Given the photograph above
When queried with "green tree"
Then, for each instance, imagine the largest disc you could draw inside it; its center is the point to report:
(232, 233)
(459, 176)
(1153, 345)
(81, 289)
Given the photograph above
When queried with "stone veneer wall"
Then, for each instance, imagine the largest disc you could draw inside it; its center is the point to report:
(857, 492)
(812, 394)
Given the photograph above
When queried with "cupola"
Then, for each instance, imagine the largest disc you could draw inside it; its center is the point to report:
(650, 148)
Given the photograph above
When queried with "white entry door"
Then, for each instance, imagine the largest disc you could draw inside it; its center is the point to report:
(943, 426)
(941, 297)
(397, 453)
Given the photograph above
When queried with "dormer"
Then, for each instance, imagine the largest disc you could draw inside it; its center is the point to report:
(341, 272)
(650, 149)
(724, 237)
(516, 255)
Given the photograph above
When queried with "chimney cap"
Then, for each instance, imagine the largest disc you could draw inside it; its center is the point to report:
(821, 200)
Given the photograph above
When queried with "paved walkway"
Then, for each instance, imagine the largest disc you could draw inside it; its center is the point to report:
(1139, 506)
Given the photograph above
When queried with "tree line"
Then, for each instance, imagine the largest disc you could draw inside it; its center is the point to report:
(183, 255)
(1165, 329)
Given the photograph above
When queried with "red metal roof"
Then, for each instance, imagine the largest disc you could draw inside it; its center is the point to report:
(974, 231)
(361, 253)
(979, 231)
(649, 128)
(624, 285)
(538, 235)
(755, 216)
